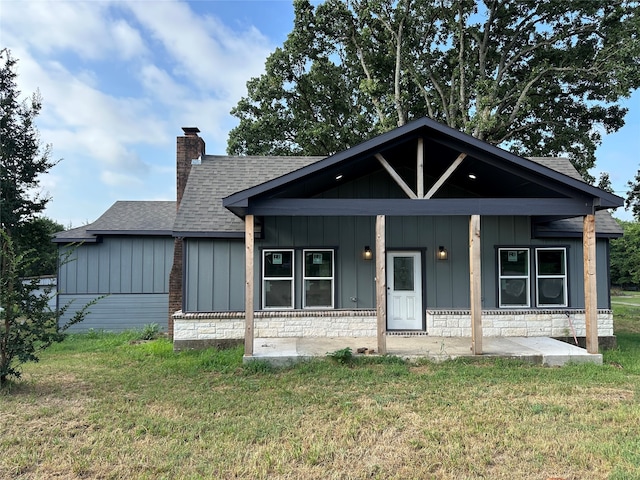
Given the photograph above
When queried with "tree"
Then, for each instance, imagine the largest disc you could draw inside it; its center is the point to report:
(532, 76)
(27, 323)
(625, 256)
(24, 158)
(33, 240)
(604, 182)
(633, 196)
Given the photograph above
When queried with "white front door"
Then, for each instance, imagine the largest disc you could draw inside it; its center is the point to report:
(404, 291)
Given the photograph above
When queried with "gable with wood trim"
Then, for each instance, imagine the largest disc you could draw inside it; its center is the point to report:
(421, 230)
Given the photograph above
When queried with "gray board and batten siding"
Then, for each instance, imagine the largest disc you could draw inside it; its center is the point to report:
(132, 271)
(217, 265)
(126, 255)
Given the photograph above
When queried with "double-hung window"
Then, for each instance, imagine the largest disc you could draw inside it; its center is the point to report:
(281, 283)
(551, 277)
(277, 278)
(513, 264)
(318, 279)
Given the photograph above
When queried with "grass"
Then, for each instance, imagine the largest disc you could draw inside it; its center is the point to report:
(106, 406)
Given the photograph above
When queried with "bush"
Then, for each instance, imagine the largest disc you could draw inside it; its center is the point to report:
(342, 356)
(150, 331)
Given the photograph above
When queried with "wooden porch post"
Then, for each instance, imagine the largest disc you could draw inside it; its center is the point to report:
(381, 284)
(590, 291)
(248, 292)
(475, 284)
(420, 169)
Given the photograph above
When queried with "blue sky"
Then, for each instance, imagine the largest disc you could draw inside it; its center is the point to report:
(119, 79)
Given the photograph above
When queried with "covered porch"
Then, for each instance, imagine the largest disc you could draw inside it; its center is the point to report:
(536, 350)
(430, 171)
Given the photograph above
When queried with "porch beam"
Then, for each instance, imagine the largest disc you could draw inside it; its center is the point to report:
(445, 176)
(381, 284)
(420, 169)
(590, 290)
(475, 280)
(248, 292)
(398, 179)
(404, 206)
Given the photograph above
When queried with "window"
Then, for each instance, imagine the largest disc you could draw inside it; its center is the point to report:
(513, 264)
(318, 279)
(551, 277)
(277, 279)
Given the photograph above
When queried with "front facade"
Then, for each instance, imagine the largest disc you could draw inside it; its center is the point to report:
(422, 231)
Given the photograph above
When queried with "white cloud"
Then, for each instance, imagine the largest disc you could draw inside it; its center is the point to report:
(84, 28)
(127, 40)
(162, 87)
(119, 179)
(206, 52)
(118, 80)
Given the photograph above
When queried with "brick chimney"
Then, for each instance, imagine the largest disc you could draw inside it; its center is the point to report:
(188, 148)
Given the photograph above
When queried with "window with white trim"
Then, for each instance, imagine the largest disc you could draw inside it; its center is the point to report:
(318, 279)
(277, 278)
(513, 267)
(551, 277)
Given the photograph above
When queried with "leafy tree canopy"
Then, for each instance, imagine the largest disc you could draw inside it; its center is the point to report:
(23, 156)
(33, 239)
(23, 160)
(535, 76)
(633, 196)
(625, 256)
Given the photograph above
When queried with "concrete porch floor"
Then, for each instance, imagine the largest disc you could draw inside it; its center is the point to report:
(537, 350)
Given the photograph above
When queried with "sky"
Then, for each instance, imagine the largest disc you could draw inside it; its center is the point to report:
(119, 79)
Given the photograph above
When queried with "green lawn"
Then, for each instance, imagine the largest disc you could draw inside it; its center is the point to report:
(102, 406)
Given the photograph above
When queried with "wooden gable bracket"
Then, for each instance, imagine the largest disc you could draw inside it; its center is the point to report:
(398, 179)
(420, 174)
(443, 178)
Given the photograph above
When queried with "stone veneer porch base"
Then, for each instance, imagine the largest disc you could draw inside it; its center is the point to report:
(220, 329)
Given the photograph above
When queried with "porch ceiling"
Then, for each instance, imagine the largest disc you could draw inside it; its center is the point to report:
(473, 178)
(488, 180)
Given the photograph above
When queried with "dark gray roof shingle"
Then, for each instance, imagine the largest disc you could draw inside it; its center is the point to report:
(78, 234)
(559, 164)
(606, 226)
(201, 211)
(126, 218)
(143, 217)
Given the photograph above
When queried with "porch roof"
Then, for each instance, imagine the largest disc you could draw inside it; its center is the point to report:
(506, 183)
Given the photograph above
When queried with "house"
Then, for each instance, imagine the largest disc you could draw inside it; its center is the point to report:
(126, 254)
(423, 230)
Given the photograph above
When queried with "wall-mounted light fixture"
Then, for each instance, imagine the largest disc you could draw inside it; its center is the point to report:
(367, 254)
(442, 253)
